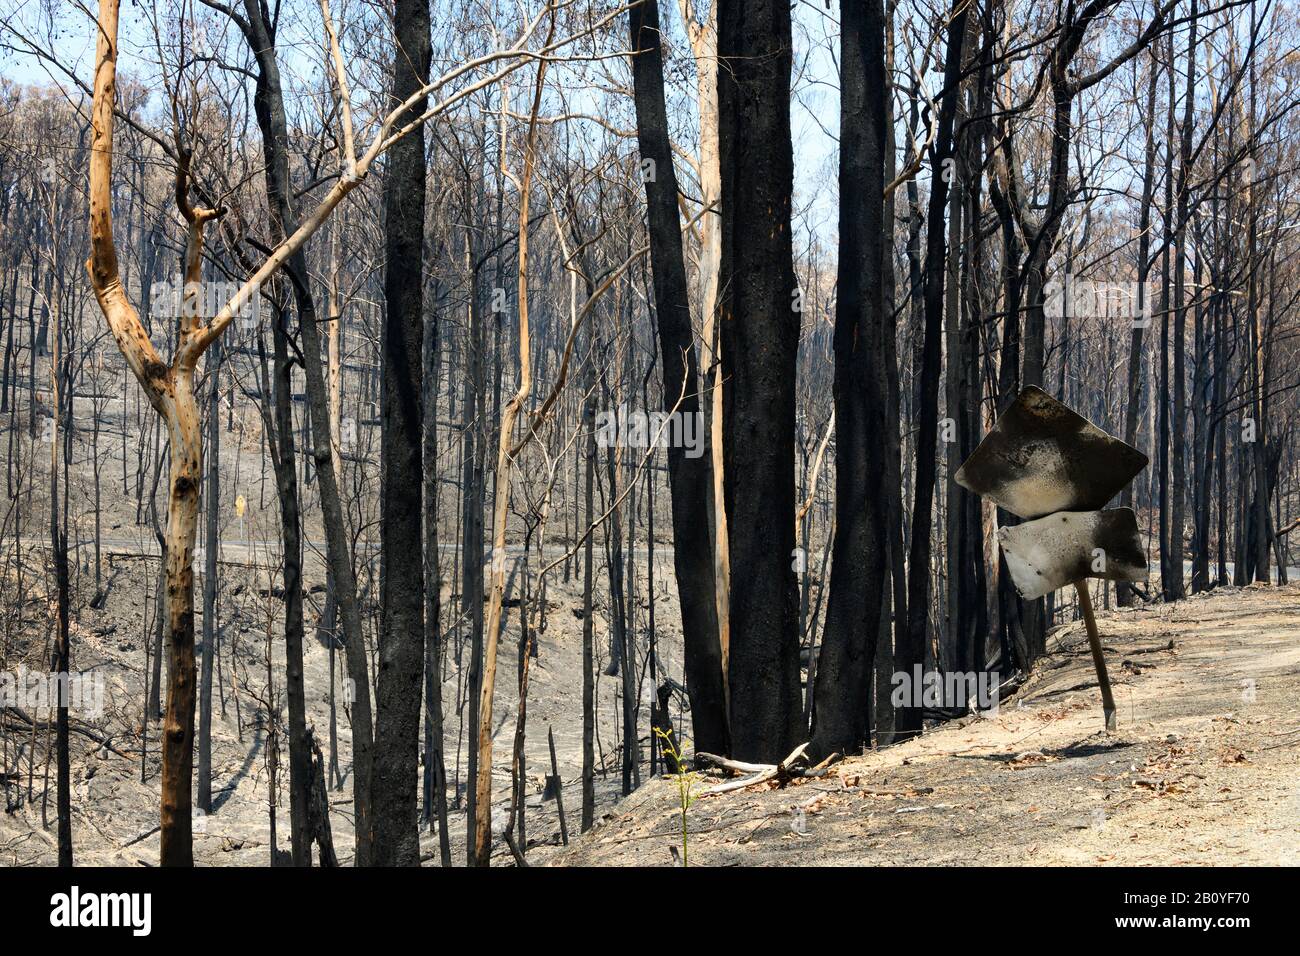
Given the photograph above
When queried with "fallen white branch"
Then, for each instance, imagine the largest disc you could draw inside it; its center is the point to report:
(783, 769)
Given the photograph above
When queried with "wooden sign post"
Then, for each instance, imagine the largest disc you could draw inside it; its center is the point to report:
(1094, 642)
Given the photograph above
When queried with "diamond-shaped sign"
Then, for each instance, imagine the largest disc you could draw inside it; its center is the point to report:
(1041, 457)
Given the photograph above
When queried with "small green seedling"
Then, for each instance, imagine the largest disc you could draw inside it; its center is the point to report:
(686, 781)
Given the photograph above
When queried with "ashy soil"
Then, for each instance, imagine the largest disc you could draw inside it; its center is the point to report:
(1203, 770)
(115, 811)
(114, 758)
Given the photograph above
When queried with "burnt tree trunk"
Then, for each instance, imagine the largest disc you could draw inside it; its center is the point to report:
(907, 720)
(1178, 509)
(1124, 592)
(760, 338)
(284, 457)
(435, 765)
(395, 769)
(842, 692)
(689, 477)
(269, 107)
(210, 543)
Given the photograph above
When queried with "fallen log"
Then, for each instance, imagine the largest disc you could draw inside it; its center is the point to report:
(144, 835)
(76, 728)
(726, 763)
(782, 771)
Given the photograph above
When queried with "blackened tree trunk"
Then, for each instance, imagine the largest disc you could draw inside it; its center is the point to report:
(760, 337)
(689, 477)
(211, 543)
(1123, 591)
(619, 663)
(1162, 392)
(62, 656)
(395, 770)
(1258, 523)
(269, 105)
(894, 613)
(588, 623)
(907, 720)
(1178, 522)
(842, 692)
(284, 456)
(971, 615)
(473, 503)
(435, 764)
(1202, 434)
(62, 667)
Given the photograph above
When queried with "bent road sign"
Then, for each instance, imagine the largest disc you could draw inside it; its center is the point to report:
(1066, 547)
(1041, 457)
(1044, 461)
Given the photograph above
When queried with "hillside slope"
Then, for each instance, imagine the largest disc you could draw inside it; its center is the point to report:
(1204, 769)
